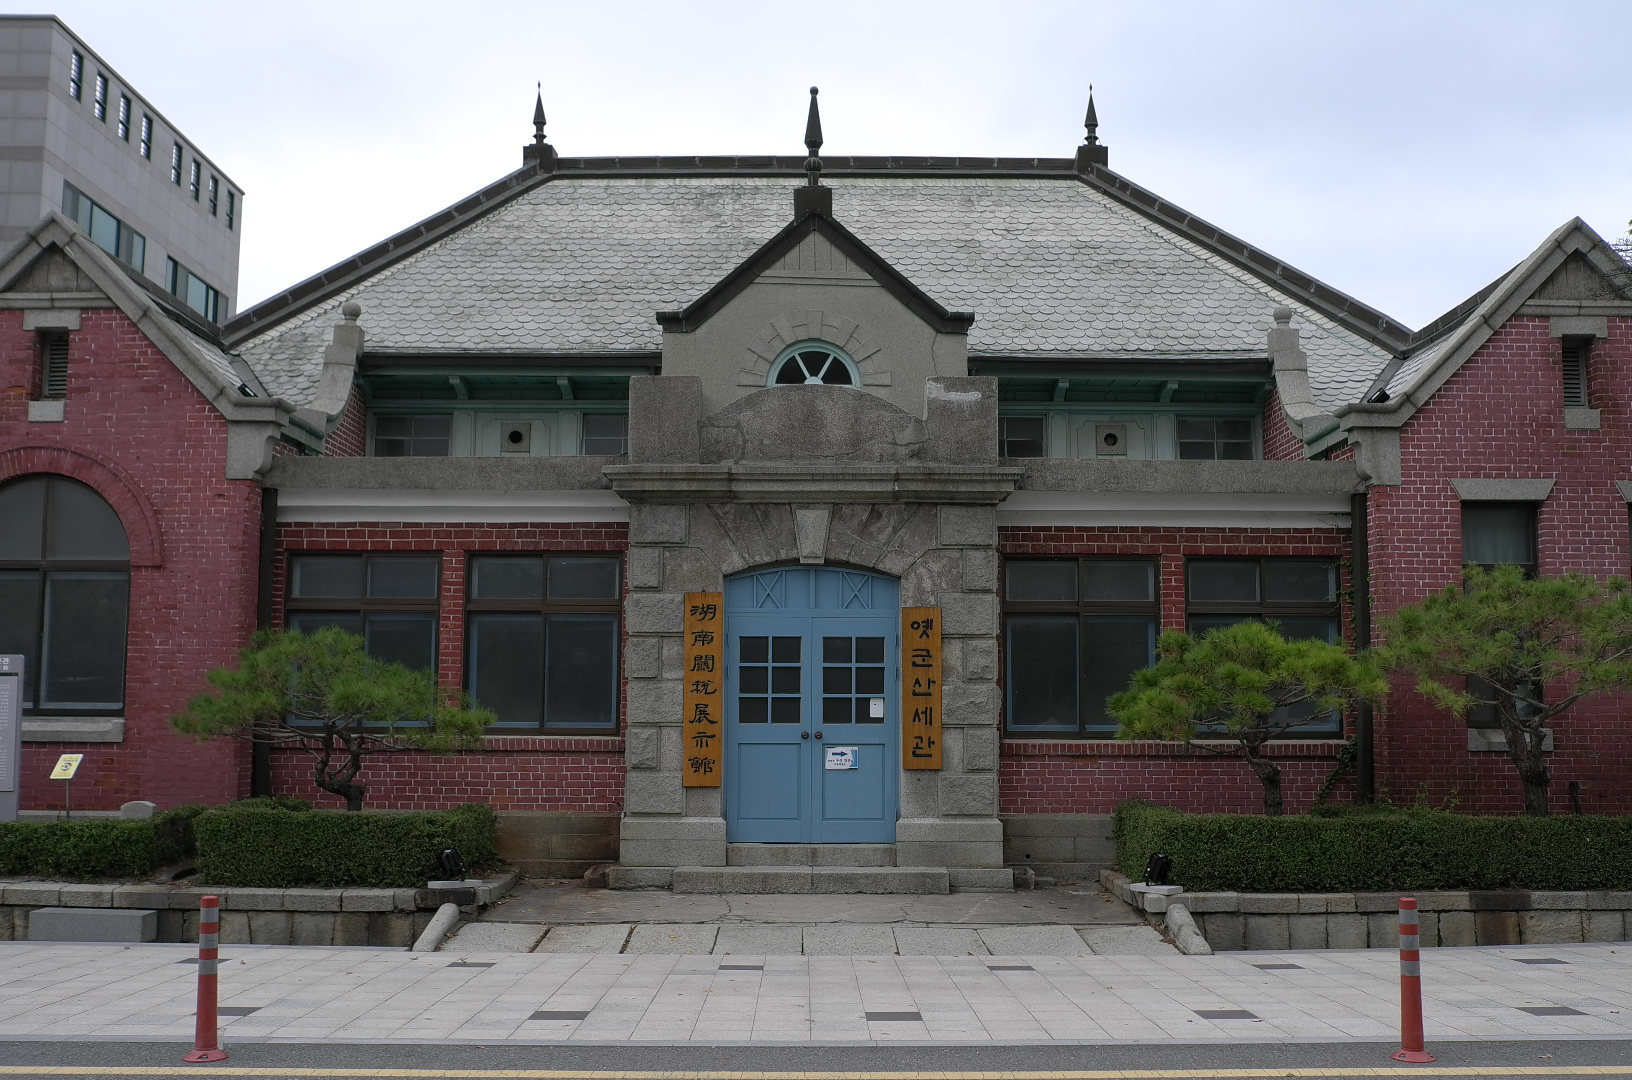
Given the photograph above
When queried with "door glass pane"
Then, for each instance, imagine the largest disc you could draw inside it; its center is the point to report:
(1126, 581)
(836, 680)
(581, 671)
(785, 710)
(1038, 579)
(785, 680)
(403, 579)
(81, 525)
(83, 665)
(583, 579)
(507, 578)
(1299, 582)
(753, 680)
(1494, 533)
(836, 650)
(869, 650)
(1115, 647)
(1042, 662)
(785, 650)
(507, 666)
(407, 638)
(1224, 582)
(20, 623)
(325, 576)
(754, 650)
(22, 519)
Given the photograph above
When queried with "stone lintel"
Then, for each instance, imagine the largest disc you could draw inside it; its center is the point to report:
(776, 483)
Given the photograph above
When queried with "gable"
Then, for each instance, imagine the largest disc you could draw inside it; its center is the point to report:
(52, 271)
(816, 260)
(1575, 280)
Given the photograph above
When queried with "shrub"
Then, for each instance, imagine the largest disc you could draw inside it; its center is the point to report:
(97, 847)
(266, 846)
(1383, 850)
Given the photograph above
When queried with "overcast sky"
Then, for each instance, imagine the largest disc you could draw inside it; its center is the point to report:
(1404, 152)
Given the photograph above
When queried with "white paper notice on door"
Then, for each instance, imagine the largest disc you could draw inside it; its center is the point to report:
(841, 757)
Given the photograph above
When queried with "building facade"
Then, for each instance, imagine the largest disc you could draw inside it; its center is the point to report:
(795, 516)
(80, 141)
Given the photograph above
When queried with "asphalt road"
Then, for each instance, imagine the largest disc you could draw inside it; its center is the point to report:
(1574, 1058)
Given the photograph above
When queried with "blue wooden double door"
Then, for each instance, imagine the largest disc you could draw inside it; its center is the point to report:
(812, 752)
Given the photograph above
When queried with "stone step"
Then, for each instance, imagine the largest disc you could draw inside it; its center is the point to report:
(811, 879)
(93, 924)
(810, 854)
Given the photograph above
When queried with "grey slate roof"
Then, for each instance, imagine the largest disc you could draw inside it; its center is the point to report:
(1052, 268)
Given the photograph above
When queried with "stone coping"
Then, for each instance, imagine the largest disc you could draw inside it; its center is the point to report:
(1140, 896)
(171, 897)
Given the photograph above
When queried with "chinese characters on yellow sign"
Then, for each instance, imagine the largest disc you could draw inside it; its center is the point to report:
(703, 724)
(921, 688)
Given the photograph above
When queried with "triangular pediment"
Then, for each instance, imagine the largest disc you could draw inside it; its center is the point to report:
(816, 247)
(1577, 279)
(52, 271)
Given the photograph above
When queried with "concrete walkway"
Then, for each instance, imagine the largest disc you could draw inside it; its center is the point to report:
(145, 992)
(564, 918)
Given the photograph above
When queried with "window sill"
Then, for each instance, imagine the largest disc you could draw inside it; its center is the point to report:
(1056, 746)
(74, 729)
(53, 411)
(554, 743)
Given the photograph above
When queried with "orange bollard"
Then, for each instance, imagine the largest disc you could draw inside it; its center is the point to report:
(205, 1040)
(1411, 1048)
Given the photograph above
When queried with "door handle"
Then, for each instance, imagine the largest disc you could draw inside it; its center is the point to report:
(818, 734)
(804, 734)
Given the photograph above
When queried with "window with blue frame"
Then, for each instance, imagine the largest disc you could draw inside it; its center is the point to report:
(1075, 631)
(813, 363)
(390, 601)
(543, 635)
(105, 230)
(1298, 595)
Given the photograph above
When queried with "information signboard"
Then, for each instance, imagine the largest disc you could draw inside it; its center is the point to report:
(921, 688)
(702, 724)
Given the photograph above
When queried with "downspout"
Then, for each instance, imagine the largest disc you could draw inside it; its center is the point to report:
(260, 751)
(1360, 581)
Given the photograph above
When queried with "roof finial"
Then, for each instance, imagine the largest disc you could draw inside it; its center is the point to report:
(538, 152)
(1091, 152)
(813, 143)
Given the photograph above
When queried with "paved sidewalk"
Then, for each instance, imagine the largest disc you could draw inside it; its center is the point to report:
(145, 992)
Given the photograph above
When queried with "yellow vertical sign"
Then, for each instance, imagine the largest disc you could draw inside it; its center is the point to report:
(921, 688)
(703, 723)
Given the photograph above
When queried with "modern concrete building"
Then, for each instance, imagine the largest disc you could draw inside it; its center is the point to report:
(77, 138)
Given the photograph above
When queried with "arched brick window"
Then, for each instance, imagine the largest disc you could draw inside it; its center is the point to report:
(64, 594)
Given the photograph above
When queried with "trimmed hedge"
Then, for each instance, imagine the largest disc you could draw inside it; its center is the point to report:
(271, 847)
(1374, 851)
(97, 847)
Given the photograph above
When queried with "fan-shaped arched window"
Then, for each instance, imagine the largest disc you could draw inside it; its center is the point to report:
(64, 594)
(813, 363)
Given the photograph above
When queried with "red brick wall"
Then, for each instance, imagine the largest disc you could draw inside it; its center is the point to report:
(555, 773)
(140, 434)
(1280, 444)
(1052, 776)
(350, 436)
(1501, 415)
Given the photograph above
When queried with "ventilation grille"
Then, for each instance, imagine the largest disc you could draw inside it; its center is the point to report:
(1575, 372)
(53, 366)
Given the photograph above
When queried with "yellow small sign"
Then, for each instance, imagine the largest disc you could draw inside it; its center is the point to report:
(67, 764)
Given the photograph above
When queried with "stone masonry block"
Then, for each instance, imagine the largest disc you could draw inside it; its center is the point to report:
(931, 578)
(1549, 927)
(33, 895)
(1225, 931)
(391, 929)
(8, 923)
(653, 701)
(234, 928)
(703, 801)
(672, 852)
(949, 853)
(640, 746)
(654, 613)
(1306, 931)
(969, 795)
(1558, 901)
(351, 928)
(366, 900)
(1266, 903)
(1310, 903)
(252, 900)
(97, 896)
(688, 569)
(1210, 902)
(974, 614)
(141, 896)
(1345, 931)
(1496, 927)
(1437, 900)
(989, 879)
(311, 928)
(93, 924)
(969, 704)
(967, 526)
(640, 877)
(312, 899)
(657, 523)
(1367, 903)
(653, 793)
(1268, 932)
(1456, 929)
(407, 899)
(979, 570)
(269, 927)
(665, 413)
(1383, 931)
(672, 828)
(1428, 927)
(925, 829)
(1609, 901)
(980, 660)
(1603, 926)
(979, 749)
(645, 567)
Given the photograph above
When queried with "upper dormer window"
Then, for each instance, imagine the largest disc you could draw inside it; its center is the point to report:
(813, 363)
